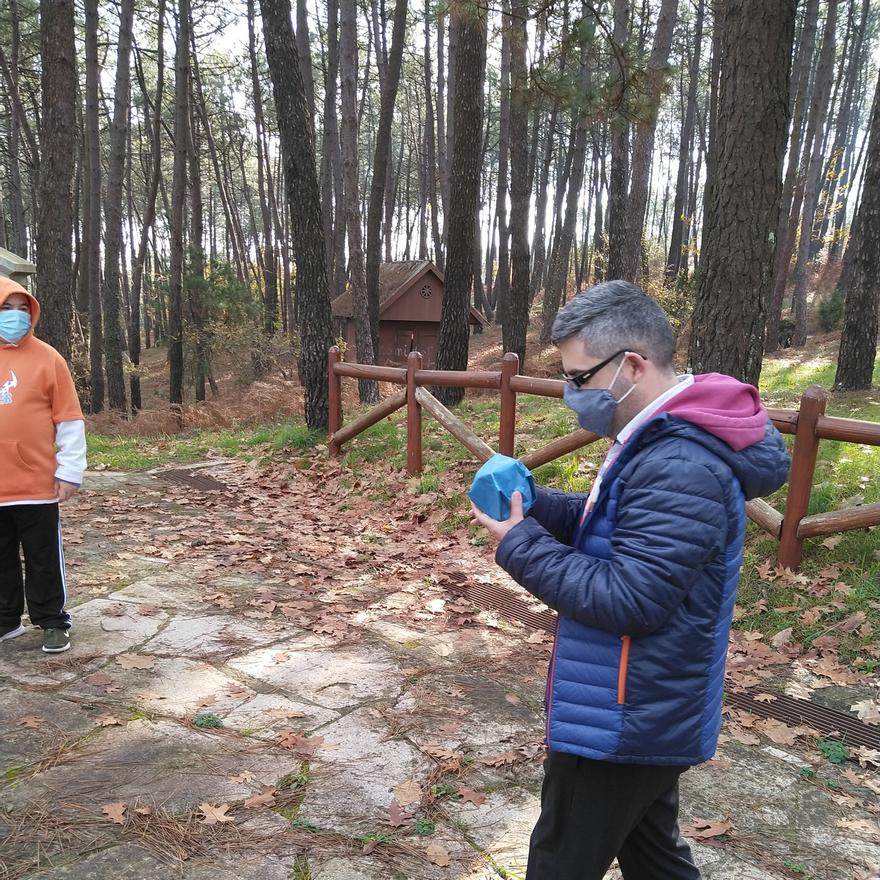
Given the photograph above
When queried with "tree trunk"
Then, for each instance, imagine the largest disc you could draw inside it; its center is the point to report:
(431, 147)
(58, 144)
(469, 25)
(137, 270)
(679, 228)
(92, 241)
(178, 204)
(858, 342)
(619, 125)
(812, 184)
(643, 146)
(381, 162)
(348, 51)
(304, 204)
(501, 288)
(113, 212)
(792, 192)
(558, 276)
(303, 44)
(728, 324)
(516, 316)
(270, 274)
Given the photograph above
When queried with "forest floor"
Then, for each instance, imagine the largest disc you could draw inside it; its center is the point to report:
(272, 677)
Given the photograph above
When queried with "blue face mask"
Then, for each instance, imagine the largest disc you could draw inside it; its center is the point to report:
(595, 407)
(14, 324)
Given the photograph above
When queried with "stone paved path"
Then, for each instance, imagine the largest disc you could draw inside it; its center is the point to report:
(320, 639)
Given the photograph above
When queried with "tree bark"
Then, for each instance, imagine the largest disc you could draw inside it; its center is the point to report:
(348, 51)
(728, 324)
(381, 162)
(304, 204)
(858, 342)
(812, 184)
(137, 270)
(643, 144)
(469, 24)
(619, 125)
(680, 226)
(501, 287)
(58, 143)
(92, 241)
(110, 291)
(792, 191)
(516, 317)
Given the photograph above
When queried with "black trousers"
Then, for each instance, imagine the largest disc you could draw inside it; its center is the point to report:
(594, 811)
(36, 530)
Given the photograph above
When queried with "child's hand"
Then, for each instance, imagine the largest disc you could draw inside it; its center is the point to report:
(65, 490)
(499, 529)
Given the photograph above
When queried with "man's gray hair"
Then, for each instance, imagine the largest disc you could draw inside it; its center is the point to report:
(616, 316)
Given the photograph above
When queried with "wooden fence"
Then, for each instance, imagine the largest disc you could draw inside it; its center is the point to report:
(808, 424)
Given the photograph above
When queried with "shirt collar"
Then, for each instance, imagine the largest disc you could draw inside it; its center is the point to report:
(654, 406)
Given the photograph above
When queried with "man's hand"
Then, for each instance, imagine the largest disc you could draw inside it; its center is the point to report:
(65, 490)
(495, 528)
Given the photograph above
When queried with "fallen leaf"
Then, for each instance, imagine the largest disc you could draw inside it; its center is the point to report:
(776, 731)
(265, 798)
(244, 776)
(148, 609)
(867, 757)
(437, 855)
(832, 542)
(705, 829)
(108, 721)
(297, 741)
(764, 698)
(783, 637)
(135, 661)
(513, 699)
(444, 649)
(284, 714)
(144, 811)
(860, 826)
(396, 817)
(408, 792)
(115, 812)
(469, 796)
(99, 679)
(34, 722)
(212, 815)
(867, 710)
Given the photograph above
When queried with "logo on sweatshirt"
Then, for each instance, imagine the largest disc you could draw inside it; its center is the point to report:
(6, 389)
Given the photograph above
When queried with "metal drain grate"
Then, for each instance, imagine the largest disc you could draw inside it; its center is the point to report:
(193, 478)
(793, 712)
(784, 708)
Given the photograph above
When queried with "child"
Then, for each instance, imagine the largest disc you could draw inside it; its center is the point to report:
(39, 411)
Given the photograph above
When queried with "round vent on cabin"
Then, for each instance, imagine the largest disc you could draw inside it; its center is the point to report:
(426, 291)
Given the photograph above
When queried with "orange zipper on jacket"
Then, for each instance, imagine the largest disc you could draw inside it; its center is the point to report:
(621, 673)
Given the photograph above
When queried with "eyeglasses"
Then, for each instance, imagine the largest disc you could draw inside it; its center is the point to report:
(576, 380)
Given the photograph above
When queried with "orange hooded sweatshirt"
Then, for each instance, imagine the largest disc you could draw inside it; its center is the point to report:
(37, 397)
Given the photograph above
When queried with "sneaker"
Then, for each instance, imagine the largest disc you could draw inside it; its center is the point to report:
(11, 632)
(55, 640)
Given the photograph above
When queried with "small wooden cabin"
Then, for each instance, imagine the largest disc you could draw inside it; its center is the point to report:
(410, 305)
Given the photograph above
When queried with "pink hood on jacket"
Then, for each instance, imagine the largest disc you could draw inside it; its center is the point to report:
(724, 407)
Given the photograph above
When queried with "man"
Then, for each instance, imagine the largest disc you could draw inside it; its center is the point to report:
(643, 574)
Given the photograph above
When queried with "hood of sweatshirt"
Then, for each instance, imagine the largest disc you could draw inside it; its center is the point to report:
(7, 288)
(733, 424)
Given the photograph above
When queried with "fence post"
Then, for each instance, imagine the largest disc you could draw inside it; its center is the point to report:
(800, 483)
(413, 416)
(334, 398)
(507, 423)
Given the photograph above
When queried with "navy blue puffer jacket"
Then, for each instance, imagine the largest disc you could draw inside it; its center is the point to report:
(645, 584)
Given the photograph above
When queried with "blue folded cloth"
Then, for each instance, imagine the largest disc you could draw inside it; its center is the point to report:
(496, 481)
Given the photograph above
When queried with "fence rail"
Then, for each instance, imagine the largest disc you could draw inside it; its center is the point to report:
(808, 424)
